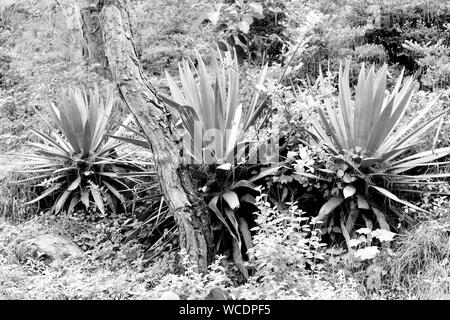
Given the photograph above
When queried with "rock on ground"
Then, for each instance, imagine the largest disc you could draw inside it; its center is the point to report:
(47, 247)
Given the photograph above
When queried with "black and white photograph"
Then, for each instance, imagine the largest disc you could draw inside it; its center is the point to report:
(249, 151)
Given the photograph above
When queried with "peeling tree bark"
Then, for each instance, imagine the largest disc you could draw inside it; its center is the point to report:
(190, 212)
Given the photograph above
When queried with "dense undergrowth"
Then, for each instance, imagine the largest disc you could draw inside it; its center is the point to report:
(353, 207)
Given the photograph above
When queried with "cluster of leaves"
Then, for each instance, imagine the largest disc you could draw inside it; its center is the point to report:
(213, 111)
(287, 258)
(253, 29)
(189, 284)
(434, 60)
(318, 39)
(290, 259)
(372, 31)
(163, 34)
(371, 53)
(420, 21)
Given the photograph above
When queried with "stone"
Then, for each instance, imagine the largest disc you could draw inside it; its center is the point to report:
(48, 247)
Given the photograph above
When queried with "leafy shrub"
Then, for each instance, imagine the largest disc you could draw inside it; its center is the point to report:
(290, 260)
(371, 53)
(435, 61)
(419, 21)
(163, 34)
(191, 285)
(253, 29)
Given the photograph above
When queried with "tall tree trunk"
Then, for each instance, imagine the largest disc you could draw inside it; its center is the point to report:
(93, 47)
(190, 212)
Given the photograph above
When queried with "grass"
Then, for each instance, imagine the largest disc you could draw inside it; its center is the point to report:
(422, 265)
(13, 196)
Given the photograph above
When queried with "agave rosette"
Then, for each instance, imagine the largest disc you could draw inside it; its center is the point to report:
(373, 128)
(212, 116)
(74, 161)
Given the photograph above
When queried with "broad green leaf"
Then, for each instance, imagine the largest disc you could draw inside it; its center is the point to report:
(225, 166)
(351, 220)
(84, 197)
(243, 184)
(87, 139)
(213, 206)
(362, 202)
(237, 258)
(381, 219)
(137, 142)
(232, 199)
(328, 207)
(114, 191)
(349, 191)
(248, 198)
(245, 232)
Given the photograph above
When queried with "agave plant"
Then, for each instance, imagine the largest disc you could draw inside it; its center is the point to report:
(75, 161)
(372, 135)
(214, 122)
(212, 115)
